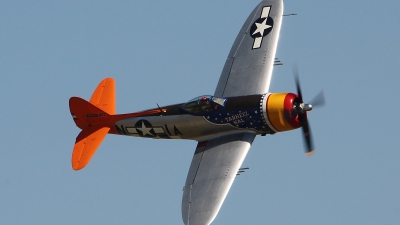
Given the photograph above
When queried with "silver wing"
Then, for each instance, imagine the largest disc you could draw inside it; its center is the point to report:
(211, 174)
(248, 68)
(247, 71)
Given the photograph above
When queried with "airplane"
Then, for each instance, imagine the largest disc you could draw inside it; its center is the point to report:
(224, 124)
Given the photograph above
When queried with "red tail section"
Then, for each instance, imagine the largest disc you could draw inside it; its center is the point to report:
(91, 117)
(85, 114)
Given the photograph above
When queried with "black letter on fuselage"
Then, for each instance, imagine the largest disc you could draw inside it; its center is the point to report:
(166, 128)
(177, 131)
(121, 130)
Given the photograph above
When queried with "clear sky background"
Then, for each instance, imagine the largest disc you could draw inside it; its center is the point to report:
(168, 52)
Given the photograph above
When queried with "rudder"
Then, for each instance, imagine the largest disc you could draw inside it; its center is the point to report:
(84, 113)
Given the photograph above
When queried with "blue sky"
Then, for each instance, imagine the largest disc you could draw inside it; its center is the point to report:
(168, 52)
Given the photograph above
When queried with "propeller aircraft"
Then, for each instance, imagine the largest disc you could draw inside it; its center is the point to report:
(224, 124)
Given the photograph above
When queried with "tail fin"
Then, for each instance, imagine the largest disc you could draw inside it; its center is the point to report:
(90, 117)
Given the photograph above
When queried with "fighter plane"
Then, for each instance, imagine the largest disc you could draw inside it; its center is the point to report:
(224, 124)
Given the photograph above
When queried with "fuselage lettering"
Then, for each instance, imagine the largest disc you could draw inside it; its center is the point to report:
(236, 119)
(121, 130)
(177, 132)
(94, 115)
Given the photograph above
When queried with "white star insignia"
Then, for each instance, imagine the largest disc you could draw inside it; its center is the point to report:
(261, 27)
(145, 130)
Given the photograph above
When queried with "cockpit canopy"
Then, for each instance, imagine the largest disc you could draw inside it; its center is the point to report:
(203, 105)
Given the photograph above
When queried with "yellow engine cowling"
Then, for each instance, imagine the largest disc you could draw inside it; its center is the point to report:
(279, 111)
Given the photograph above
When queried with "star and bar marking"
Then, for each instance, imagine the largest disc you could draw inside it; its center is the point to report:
(144, 128)
(261, 27)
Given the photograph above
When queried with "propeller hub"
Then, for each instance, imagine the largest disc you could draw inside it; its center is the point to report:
(305, 107)
(302, 108)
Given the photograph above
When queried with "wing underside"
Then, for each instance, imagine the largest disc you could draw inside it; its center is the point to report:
(211, 174)
(248, 68)
(247, 71)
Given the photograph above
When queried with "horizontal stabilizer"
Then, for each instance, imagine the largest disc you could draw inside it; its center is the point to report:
(104, 96)
(86, 145)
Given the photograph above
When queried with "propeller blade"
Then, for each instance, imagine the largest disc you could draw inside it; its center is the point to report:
(307, 138)
(309, 145)
(319, 99)
(297, 80)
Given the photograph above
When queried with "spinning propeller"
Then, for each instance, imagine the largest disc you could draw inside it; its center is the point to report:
(302, 108)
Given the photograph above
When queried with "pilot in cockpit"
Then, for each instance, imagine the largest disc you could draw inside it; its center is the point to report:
(204, 103)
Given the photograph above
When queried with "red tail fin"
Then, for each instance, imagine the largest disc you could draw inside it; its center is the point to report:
(90, 117)
(84, 113)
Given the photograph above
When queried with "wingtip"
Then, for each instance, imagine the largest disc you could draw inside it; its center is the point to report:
(76, 166)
